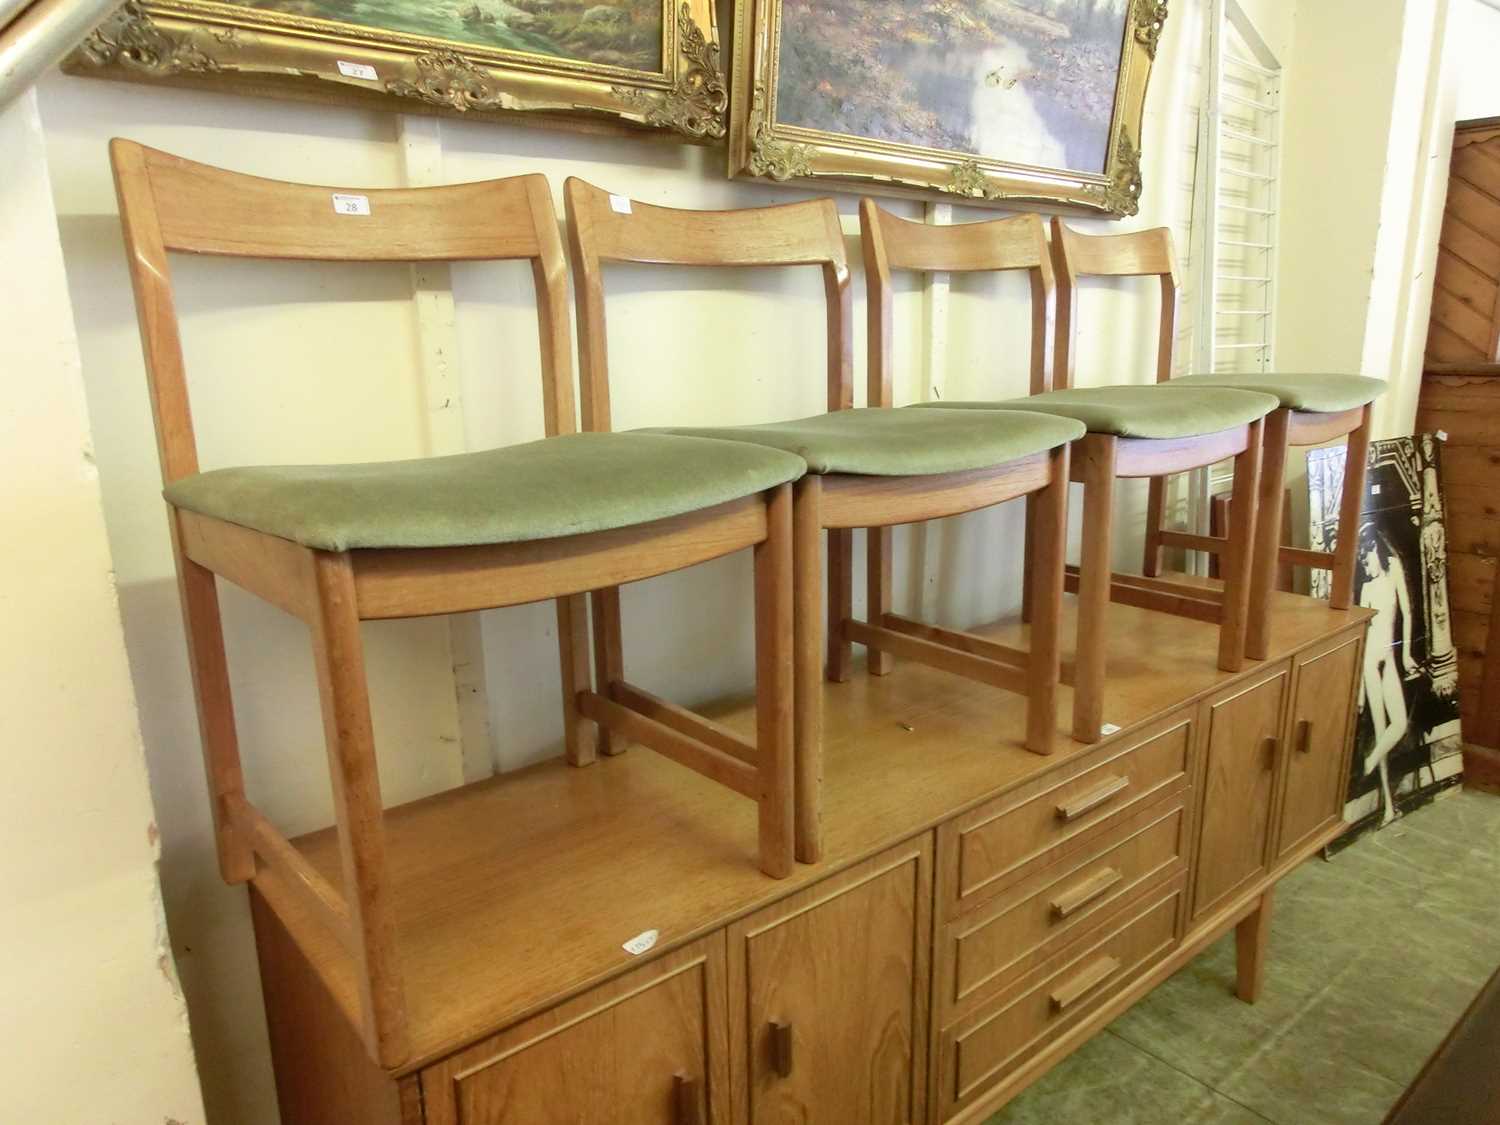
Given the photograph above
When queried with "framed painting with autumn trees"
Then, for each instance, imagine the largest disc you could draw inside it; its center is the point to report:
(1001, 102)
(595, 64)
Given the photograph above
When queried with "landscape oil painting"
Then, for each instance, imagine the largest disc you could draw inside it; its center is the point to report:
(624, 33)
(1033, 80)
(997, 100)
(594, 65)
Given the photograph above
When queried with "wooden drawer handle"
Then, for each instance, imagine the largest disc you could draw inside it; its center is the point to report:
(1106, 790)
(1084, 983)
(1269, 747)
(1304, 737)
(686, 1104)
(1076, 897)
(781, 1049)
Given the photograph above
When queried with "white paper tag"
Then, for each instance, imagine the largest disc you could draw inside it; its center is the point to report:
(1374, 490)
(357, 70)
(1109, 728)
(1442, 435)
(351, 204)
(641, 942)
(619, 204)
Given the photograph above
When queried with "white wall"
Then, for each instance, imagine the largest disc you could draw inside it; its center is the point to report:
(1474, 38)
(96, 1028)
(299, 362)
(1368, 132)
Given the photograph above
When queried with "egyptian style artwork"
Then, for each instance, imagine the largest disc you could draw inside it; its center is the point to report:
(1001, 102)
(1407, 745)
(630, 64)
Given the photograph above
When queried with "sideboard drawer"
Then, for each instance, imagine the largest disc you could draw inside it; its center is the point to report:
(987, 949)
(986, 849)
(979, 1052)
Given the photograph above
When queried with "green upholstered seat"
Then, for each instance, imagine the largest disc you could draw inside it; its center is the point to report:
(547, 489)
(901, 443)
(1153, 411)
(1311, 393)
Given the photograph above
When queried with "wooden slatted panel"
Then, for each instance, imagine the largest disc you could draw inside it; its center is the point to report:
(1466, 296)
(1464, 403)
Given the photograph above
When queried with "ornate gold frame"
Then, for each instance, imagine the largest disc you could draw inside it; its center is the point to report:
(759, 148)
(210, 45)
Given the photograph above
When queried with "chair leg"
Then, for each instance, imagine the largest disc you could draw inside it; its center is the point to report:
(1265, 556)
(1156, 511)
(1341, 590)
(580, 735)
(774, 697)
(1252, 943)
(1028, 545)
(221, 748)
(840, 602)
(807, 671)
(1096, 468)
(338, 655)
(878, 592)
(1049, 544)
(609, 657)
(1238, 558)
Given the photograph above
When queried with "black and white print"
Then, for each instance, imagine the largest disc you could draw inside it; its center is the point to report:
(1407, 744)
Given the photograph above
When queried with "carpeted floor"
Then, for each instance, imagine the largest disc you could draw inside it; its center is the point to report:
(1374, 956)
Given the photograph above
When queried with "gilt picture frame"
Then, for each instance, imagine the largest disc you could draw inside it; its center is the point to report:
(648, 66)
(1003, 103)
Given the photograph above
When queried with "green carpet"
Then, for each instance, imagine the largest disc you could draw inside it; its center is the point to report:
(1374, 956)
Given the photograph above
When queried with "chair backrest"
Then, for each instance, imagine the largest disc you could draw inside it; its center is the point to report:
(610, 228)
(171, 204)
(893, 243)
(1145, 253)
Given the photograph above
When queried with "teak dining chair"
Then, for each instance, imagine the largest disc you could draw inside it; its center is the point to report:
(340, 544)
(1133, 431)
(866, 468)
(1311, 409)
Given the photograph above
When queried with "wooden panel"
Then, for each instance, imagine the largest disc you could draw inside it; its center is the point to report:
(1242, 748)
(1444, 347)
(1469, 285)
(984, 850)
(1473, 523)
(1464, 402)
(1466, 408)
(1476, 209)
(830, 990)
(1478, 166)
(1463, 240)
(1471, 582)
(1468, 324)
(1319, 733)
(1469, 468)
(323, 1073)
(985, 950)
(980, 1052)
(628, 1052)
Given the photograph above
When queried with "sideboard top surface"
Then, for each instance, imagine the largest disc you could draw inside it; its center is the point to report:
(516, 892)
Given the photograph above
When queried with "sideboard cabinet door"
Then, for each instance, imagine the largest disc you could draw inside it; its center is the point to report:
(829, 998)
(1243, 732)
(647, 1048)
(1320, 729)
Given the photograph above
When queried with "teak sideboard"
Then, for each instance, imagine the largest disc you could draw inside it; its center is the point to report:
(981, 911)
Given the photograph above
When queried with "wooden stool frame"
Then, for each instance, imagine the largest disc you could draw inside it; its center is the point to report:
(170, 204)
(810, 234)
(1150, 252)
(1020, 243)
